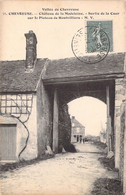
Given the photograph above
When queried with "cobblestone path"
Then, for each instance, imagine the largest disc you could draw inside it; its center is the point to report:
(65, 174)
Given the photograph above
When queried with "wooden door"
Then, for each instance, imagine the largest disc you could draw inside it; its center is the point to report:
(8, 142)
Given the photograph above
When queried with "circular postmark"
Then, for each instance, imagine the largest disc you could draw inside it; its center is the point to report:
(90, 45)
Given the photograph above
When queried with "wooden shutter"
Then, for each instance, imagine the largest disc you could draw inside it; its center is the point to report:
(8, 142)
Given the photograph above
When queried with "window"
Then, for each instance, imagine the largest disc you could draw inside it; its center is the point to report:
(15, 104)
(73, 124)
(78, 129)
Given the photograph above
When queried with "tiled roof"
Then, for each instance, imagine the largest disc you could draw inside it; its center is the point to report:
(14, 78)
(72, 67)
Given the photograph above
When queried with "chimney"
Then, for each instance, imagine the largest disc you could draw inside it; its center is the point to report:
(73, 117)
(31, 54)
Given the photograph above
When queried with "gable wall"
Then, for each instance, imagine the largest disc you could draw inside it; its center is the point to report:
(30, 151)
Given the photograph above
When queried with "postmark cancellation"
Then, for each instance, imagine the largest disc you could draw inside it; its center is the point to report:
(93, 42)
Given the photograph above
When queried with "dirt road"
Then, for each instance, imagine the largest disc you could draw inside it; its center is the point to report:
(65, 174)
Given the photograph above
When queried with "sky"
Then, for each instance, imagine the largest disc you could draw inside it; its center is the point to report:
(54, 36)
(90, 112)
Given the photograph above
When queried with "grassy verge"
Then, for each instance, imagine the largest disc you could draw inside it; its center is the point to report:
(106, 186)
(99, 145)
(17, 165)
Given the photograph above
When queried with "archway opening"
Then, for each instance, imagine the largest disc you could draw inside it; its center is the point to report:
(88, 120)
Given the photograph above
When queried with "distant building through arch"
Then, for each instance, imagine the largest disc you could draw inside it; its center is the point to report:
(77, 131)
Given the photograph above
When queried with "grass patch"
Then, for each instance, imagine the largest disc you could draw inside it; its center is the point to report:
(23, 163)
(99, 145)
(106, 186)
(108, 163)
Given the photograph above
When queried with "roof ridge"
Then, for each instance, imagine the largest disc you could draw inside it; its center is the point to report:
(11, 60)
(109, 54)
(42, 72)
(38, 59)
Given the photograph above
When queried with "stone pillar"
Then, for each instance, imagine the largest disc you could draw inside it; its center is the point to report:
(55, 122)
(119, 97)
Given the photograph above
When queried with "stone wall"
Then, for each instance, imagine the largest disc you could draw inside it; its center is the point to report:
(64, 128)
(124, 160)
(120, 95)
(122, 124)
(44, 118)
(120, 129)
(122, 167)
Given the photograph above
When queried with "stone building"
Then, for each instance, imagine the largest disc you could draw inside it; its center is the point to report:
(24, 103)
(26, 109)
(78, 131)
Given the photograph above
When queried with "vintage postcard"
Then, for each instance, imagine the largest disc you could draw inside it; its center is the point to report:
(62, 97)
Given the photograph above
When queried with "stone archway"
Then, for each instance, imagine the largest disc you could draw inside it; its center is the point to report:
(102, 90)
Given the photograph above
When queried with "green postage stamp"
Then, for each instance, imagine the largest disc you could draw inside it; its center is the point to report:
(99, 36)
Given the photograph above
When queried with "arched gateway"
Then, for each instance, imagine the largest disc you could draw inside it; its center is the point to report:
(34, 93)
(71, 78)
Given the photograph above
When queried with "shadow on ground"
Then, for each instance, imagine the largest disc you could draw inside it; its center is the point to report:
(106, 186)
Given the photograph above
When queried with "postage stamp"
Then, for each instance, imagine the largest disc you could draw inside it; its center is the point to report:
(93, 43)
(97, 32)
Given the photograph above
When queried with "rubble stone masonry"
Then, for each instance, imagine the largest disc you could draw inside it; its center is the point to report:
(120, 87)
